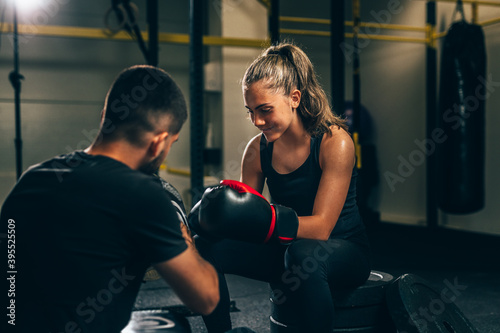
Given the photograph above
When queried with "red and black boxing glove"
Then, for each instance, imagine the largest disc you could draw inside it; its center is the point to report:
(235, 210)
(194, 225)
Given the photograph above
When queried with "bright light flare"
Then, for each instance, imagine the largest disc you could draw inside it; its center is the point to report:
(28, 5)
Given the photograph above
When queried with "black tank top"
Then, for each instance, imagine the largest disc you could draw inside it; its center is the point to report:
(298, 188)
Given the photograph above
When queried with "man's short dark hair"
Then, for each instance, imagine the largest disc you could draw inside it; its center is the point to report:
(142, 99)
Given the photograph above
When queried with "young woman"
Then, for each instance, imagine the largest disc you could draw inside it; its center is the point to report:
(307, 158)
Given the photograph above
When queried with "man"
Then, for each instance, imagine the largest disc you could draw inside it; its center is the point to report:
(88, 224)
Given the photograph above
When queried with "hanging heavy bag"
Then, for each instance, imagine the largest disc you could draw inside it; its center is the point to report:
(462, 117)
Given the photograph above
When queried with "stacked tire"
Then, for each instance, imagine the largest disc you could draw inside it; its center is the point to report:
(360, 310)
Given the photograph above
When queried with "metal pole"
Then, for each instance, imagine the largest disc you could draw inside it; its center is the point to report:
(196, 97)
(152, 13)
(431, 115)
(337, 65)
(356, 95)
(15, 79)
(274, 22)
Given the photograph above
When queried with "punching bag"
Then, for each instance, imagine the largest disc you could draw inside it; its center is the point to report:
(462, 94)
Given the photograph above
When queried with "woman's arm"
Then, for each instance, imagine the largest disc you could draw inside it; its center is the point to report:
(251, 171)
(337, 158)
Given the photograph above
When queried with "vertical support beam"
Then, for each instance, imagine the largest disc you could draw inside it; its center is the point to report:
(431, 114)
(356, 81)
(475, 12)
(152, 14)
(274, 22)
(15, 80)
(196, 97)
(337, 60)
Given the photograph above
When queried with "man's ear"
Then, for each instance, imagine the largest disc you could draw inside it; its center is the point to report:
(295, 98)
(157, 144)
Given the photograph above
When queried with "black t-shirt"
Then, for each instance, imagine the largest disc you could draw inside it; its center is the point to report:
(86, 229)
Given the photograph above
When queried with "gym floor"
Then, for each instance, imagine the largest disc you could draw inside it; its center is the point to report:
(442, 256)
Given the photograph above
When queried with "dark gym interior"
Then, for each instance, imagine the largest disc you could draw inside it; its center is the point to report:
(428, 212)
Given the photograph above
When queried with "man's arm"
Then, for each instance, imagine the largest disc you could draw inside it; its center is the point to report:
(193, 279)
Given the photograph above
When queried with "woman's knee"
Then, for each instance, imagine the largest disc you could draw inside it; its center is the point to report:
(308, 254)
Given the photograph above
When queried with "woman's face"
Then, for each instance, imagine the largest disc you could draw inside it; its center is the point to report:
(272, 113)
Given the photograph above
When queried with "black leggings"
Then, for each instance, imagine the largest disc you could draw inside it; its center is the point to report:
(308, 269)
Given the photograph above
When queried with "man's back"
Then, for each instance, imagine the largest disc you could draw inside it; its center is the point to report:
(87, 227)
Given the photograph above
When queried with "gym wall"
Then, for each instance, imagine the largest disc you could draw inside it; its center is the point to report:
(66, 80)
